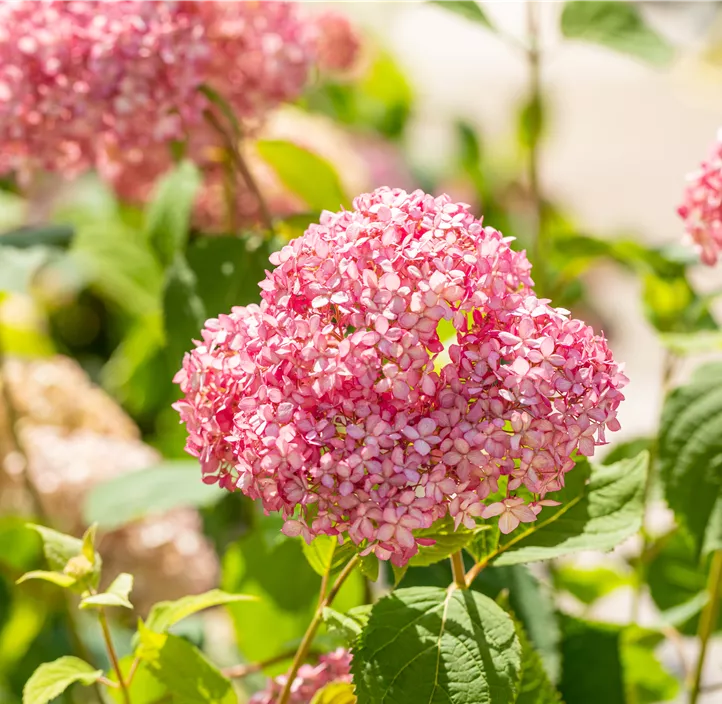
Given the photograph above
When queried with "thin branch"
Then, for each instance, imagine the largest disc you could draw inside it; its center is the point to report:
(112, 654)
(308, 637)
(238, 671)
(233, 149)
(457, 569)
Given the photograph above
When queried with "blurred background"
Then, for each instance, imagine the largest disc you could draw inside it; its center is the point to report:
(93, 326)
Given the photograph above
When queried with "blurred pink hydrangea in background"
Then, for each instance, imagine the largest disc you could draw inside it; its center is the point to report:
(331, 667)
(325, 403)
(701, 208)
(90, 84)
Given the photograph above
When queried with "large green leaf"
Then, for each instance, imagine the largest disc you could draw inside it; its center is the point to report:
(599, 516)
(465, 8)
(52, 678)
(305, 174)
(534, 685)
(183, 310)
(189, 677)
(228, 270)
(167, 217)
(154, 490)
(690, 450)
(144, 687)
(616, 24)
(425, 644)
(165, 614)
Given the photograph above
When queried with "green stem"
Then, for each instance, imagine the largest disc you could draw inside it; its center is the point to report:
(112, 654)
(707, 622)
(457, 569)
(310, 634)
(533, 53)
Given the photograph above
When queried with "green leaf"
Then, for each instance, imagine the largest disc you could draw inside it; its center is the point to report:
(19, 547)
(51, 679)
(119, 265)
(588, 584)
(599, 516)
(465, 8)
(531, 122)
(165, 614)
(325, 555)
(700, 342)
(618, 25)
(89, 543)
(64, 553)
(305, 174)
(189, 677)
(335, 693)
(369, 566)
(144, 688)
(115, 595)
(58, 578)
(183, 311)
(448, 541)
(228, 269)
(646, 680)
(154, 490)
(425, 644)
(534, 685)
(260, 564)
(690, 450)
(167, 217)
(348, 626)
(48, 235)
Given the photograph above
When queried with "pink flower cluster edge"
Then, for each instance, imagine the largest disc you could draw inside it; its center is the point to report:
(329, 401)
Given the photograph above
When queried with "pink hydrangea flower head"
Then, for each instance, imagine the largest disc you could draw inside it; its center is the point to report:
(331, 667)
(701, 208)
(337, 43)
(325, 401)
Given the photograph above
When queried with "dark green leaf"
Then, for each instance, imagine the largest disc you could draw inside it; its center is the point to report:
(369, 566)
(305, 174)
(183, 311)
(465, 8)
(183, 669)
(52, 678)
(646, 681)
(153, 490)
(350, 624)
(595, 516)
(435, 645)
(690, 450)
(167, 218)
(49, 235)
(618, 25)
(534, 685)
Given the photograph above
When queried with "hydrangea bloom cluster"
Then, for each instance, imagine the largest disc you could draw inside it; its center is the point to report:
(329, 402)
(701, 209)
(331, 667)
(84, 83)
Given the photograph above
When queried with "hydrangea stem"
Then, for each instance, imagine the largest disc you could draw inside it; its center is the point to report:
(112, 654)
(310, 634)
(707, 622)
(457, 569)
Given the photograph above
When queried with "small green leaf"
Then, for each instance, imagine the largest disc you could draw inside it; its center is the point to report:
(64, 553)
(48, 235)
(62, 580)
(325, 555)
(189, 677)
(89, 543)
(155, 490)
(646, 680)
(426, 644)
(618, 25)
(305, 174)
(370, 567)
(167, 218)
(345, 624)
(448, 541)
(465, 8)
(597, 516)
(166, 613)
(531, 122)
(116, 594)
(690, 450)
(335, 693)
(51, 679)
